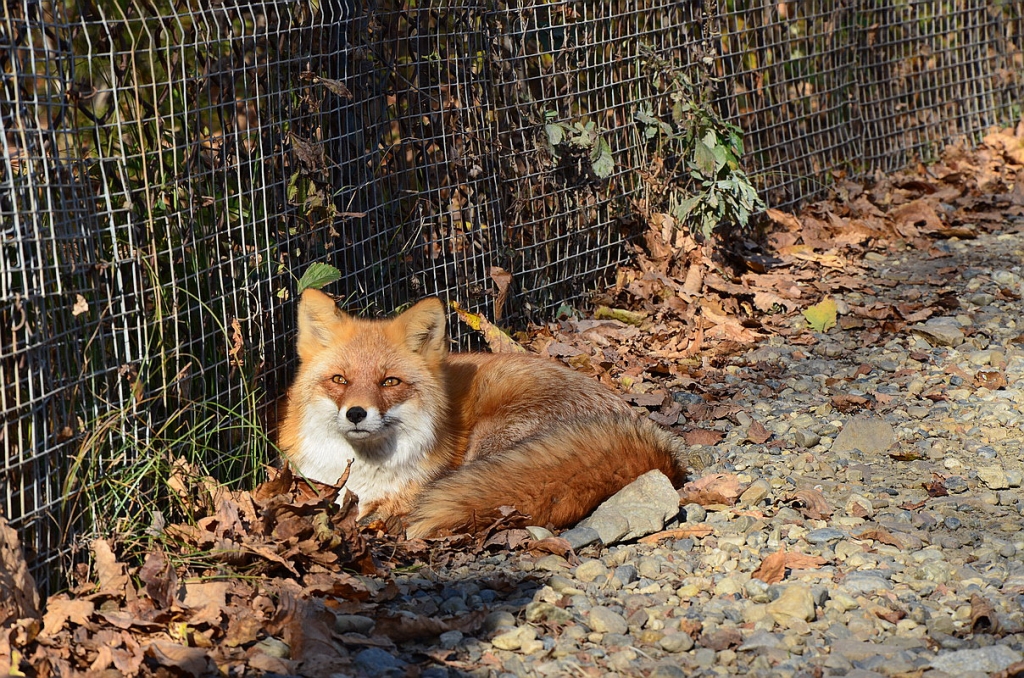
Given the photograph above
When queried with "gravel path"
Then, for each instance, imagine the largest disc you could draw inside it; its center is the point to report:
(896, 463)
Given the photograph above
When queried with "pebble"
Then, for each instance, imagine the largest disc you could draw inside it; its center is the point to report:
(603, 620)
(795, 603)
(867, 434)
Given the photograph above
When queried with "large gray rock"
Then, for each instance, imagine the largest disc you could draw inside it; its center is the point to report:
(640, 508)
(868, 434)
(983, 659)
(940, 331)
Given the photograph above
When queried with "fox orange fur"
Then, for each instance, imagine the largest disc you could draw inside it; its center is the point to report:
(443, 440)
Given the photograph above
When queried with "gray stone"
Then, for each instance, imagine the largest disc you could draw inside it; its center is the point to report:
(591, 570)
(755, 493)
(375, 661)
(354, 623)
(940, 331)
(985, 659)
(824, 535)
(994, 477)
(603, 620)
(695, 513)
(869, 434)
(762, 640)
(805, 438)
(676, 642)
(865, 581)
(795, 603)
(579, 537)
(640, 508)
(626, 574)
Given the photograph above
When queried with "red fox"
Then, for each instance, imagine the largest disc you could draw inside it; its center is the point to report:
(443, 440)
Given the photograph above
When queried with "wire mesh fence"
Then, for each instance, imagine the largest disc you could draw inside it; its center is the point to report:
(171, 167)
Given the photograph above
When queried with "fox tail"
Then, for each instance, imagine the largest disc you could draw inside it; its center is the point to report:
(555, 478)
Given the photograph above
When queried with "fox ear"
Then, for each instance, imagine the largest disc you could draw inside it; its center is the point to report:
(318, 314)
(425, 328)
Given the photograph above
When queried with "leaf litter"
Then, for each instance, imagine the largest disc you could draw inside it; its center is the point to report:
(259, 580)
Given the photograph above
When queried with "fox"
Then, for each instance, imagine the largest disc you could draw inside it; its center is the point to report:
(443, 440)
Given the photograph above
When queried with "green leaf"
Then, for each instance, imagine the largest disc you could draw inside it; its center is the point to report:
(555, 132)
(318, 275)
(601, 160)
(822, 315)
(704, 158)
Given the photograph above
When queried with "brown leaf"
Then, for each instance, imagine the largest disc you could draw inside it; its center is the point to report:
(689, 532)
(404, 628)
(60, 609)
(508, 539)
(716, 488)
(159, 577)
(907, 454)
(772, 569)
(19, 597)
(208, 599)
(702, 436)
(810, 502)
(991, 379)
(757, 433)
(983, 616)
(193, 661)
(503, 279)
(881, 535)
(110, 574)
(848, 403)
(937, 487)
(555, 545)
(243, 627)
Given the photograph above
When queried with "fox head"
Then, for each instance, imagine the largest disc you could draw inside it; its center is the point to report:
(376, 385)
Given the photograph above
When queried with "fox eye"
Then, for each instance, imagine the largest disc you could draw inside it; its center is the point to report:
(391, 381)
(338, 379)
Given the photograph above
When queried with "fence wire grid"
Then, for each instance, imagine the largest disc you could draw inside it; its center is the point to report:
(171, 168)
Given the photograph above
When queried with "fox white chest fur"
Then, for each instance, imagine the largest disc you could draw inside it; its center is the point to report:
(386, 457)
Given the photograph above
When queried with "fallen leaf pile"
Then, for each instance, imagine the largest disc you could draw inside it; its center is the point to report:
(722, 299)
(256, 584)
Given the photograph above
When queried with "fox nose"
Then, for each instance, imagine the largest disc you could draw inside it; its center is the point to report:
(355, 414)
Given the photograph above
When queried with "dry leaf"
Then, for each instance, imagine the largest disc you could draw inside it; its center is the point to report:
(757, 433)
(881, 535)
(81, 306)
(717, 488)
(110, 574)
(991, 379)
(983, 616)
(19, 597)
(555, 545)
(497, 339)
(702, 436)
(60, 609)
(772, 569)
(503, 279)
(193, 661)
(822, 316)
(689, 532)
(810, 502)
